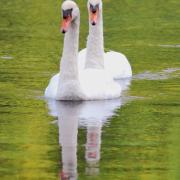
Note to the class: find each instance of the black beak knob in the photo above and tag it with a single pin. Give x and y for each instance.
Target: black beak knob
(94, 10)
(93, 23)
(63, 31)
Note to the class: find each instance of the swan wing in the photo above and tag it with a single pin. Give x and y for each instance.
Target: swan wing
(117, 65)
(51, 90)
(98, 84)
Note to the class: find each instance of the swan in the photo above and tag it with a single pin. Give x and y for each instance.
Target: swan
(72, 83)
(94, 56)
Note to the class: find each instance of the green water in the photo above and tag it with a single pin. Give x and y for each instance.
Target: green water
(140, 141)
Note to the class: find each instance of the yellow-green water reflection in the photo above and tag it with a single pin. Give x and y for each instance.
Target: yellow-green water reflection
(140, 141)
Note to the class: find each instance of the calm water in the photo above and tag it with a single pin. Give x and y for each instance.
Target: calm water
(135, 137)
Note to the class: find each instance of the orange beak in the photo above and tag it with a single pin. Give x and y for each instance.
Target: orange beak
(65, 24)
(94, 17)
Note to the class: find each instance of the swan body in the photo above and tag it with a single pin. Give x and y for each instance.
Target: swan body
(72, 83)
(116, 64)
(93, 85)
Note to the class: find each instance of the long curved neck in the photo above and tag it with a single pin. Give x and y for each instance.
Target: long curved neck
(95, 45)
(69, 62)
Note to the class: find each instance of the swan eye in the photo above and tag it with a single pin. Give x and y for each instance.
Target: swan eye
(91, 6)
(97, 6)
(67, 13)
(94, 8)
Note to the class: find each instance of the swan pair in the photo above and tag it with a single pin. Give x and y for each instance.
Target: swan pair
(89, 74)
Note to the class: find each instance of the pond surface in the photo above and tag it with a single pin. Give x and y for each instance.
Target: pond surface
(134, 137)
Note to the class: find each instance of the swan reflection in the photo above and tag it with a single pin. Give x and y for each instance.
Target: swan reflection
(93, 146)
(91, 115)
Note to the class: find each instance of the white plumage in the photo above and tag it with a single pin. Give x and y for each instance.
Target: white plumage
(75, 84)
(115, 63)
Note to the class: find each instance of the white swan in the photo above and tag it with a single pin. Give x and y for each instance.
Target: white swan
(70, 83)
(94, 56)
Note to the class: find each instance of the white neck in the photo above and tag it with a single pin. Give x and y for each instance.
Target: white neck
(95, 45)
(69, 61)
(69, 85)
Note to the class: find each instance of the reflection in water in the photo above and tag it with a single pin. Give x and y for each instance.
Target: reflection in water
(141, 143)
(68, 130)
(93, 146)
(89, 114)
(6, 57)
(162, 75)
